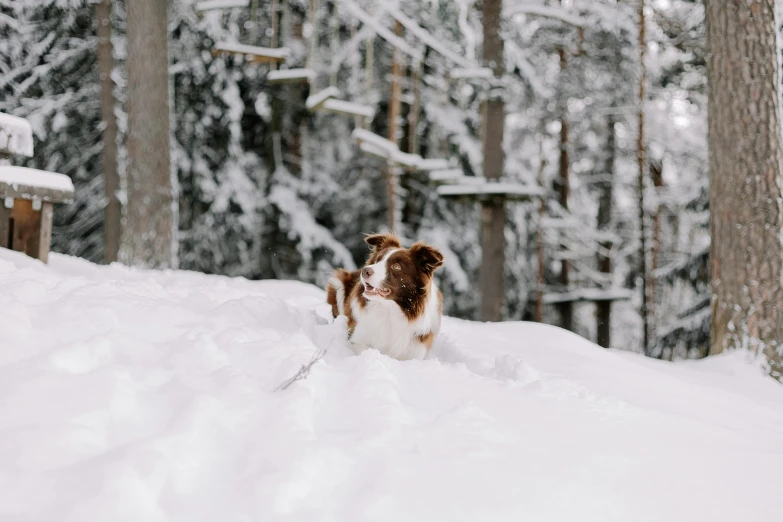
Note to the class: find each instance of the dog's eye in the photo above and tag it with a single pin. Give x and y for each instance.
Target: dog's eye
(396, 266)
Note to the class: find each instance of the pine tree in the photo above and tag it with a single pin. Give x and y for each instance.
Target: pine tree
(746, 180)
(149, 238)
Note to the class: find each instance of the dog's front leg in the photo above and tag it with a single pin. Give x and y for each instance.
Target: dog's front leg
(416, 350)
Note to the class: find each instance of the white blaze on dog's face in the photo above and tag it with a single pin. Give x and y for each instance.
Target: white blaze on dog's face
(397, 274)
(374, 275)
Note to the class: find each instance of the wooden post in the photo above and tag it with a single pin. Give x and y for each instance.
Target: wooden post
(334, 42)
(417, 71)
(603, 312)
(395, 104)
(254, 19)
(5, 228)
(656, 176)
(311, 55)
(25, 232)
(493, 211)
(45, 232)
(641, 159)
(275, 30)
(285, 24)
(538, 314)
(566, 309)
(112, 211)
(369, 64)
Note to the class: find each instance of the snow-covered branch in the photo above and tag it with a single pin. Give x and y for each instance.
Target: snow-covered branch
(556, 13)
(382, 31)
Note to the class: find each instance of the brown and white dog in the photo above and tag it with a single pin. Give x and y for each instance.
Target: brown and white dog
(392, 304)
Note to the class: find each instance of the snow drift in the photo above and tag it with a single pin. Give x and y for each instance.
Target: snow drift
(134, 395)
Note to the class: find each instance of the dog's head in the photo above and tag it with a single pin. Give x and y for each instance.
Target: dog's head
(399, 274)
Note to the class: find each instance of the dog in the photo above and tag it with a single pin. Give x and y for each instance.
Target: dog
(392, 303)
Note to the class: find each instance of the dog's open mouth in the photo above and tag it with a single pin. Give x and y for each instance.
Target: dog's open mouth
(371, 290)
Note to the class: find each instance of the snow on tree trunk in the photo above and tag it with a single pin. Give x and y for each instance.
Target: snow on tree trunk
(746, 183)
(493, 212)
(112, 218)
(148, 239)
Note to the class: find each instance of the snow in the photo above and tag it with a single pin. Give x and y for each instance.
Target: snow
(349, 108)
(501, 188)
(27, 177)
(278, 53)
(381, 143)
(16, 135)
(555, 13)
(135, 395)
(430, 164)
(376, 145)
(303, 226)
(282, 75)
(314, 101)
(357, 12)
(426, 38)
(450, 176)
(560, 223)
(406, 159)
(469, 73)
(211, 5)
(588, 295)
(373, 150)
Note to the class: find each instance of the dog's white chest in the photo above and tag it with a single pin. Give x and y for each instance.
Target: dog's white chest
(383, 326)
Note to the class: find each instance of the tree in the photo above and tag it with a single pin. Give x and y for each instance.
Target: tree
(603, 310)
(112, 219)
(149, 238)
(493, 213)
(641, 159)
(746, 179)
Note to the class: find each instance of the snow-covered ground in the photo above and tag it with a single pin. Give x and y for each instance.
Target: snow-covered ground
(149, 396)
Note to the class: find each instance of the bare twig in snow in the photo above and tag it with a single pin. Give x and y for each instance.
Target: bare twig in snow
(303, 372)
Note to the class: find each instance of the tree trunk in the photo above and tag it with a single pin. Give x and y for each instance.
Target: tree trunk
(149, 238)
(566, 310)
(393, 171)
(275, 32)
(493, 212)
(603, 309)
(641, 159)
(656, 176)
(746, 179)
(112, 211)
(538, 311)
(417, 72)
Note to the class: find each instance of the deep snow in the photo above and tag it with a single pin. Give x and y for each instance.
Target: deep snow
(146, 396)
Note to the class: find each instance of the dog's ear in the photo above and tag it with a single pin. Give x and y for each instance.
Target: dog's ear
(380, 242)
(428, 259)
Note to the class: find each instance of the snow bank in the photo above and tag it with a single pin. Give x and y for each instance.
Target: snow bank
(133, 395)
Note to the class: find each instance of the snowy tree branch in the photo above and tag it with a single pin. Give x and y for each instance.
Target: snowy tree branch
(545, 11)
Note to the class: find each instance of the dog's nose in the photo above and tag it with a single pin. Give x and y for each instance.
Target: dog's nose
(367, 272)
